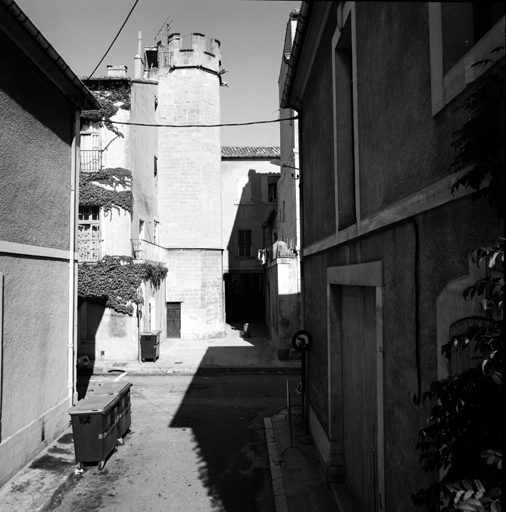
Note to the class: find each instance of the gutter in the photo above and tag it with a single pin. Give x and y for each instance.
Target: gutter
(298, 42)
(74, 198)
(88, 100)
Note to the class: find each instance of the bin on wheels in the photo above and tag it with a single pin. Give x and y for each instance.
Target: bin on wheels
(95, 428)
(121, 390)
(150, 345)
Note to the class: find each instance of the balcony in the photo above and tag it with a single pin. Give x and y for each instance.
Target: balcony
(91, 160)
(89, 250)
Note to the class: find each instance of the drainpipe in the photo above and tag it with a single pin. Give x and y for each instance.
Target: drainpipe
(72, 332)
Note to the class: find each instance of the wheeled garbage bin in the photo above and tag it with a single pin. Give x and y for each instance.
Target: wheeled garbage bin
(95, 428)
(150, 345)
(121, 390)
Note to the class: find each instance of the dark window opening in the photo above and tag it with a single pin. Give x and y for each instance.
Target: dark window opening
(463, 25)
(245, 243)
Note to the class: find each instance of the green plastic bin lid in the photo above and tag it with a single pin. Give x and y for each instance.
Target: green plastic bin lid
(110, 388)
(94, 404)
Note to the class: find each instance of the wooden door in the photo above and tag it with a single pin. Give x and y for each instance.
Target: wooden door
(360, 423)
(173, 319)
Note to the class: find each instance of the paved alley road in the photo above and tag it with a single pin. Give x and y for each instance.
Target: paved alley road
(197, 445)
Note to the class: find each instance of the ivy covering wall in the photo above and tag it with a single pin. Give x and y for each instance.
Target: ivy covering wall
(112, 97)
(115, 280)
(107, 188)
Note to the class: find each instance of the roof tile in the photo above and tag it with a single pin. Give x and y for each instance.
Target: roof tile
(250, 152)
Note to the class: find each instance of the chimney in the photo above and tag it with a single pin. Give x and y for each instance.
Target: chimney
(119, 71)
(174, 42)
(138, 64)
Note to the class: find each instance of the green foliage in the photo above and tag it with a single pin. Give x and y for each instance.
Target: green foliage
(480, 141)
(101, 189)
(464, 431)
(115, 280)
(111, 98)
(465, 427)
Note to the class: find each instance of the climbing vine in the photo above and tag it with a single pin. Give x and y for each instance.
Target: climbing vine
(111, 100)
(114, 281)
(108, 188)
(464, 432)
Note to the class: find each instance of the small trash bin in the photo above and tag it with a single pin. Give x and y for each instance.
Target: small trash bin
(121, 390)
(95, 428)
(150, 345)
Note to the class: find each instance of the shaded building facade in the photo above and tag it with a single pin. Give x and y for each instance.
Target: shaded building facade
(385, 243)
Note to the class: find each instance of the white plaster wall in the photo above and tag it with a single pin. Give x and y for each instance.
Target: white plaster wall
(116, 154)
(115, 228)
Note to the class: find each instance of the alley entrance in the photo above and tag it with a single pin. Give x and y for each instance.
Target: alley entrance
(244, 297)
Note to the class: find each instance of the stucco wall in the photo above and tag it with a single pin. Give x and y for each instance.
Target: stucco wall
(446, 237)
(318, 165)
(35, 338)
(35, 178)
(402, 147)
(34, 156)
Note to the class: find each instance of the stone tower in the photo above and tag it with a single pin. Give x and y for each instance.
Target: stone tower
(189, 182)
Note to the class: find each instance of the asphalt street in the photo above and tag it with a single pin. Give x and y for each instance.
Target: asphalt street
(197, 445)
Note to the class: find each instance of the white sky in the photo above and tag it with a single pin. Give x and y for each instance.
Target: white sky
(251, 34)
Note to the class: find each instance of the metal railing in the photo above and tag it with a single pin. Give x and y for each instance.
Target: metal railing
(91, 160)
(89, 250)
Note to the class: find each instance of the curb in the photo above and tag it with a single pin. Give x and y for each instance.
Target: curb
(188, 370)
(278, 486)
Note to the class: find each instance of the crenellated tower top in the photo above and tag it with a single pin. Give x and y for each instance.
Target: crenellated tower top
(174, 56)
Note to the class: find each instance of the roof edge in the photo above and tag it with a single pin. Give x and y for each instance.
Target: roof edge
(298, 41)
(82, 97)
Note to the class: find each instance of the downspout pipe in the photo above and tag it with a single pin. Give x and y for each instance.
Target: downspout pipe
(72, 305)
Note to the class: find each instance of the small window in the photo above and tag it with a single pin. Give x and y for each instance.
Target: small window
(141, 229)
(155, 166)
(89, 233)
(273, 193)
(269, 189)
(464, 24)
(245, 243)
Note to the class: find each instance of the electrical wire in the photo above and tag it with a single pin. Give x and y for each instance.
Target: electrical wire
(203, 125)
(124, 23)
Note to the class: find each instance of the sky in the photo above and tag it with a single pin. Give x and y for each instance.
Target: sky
(251, 33)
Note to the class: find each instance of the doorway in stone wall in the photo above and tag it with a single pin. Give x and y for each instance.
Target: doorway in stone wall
(173, 319)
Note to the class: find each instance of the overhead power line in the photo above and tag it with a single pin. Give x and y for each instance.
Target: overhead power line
(124, 23)
(204, 125)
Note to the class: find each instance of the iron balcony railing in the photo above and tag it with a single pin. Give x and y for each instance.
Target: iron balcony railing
(91, 160)
(89, 250)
